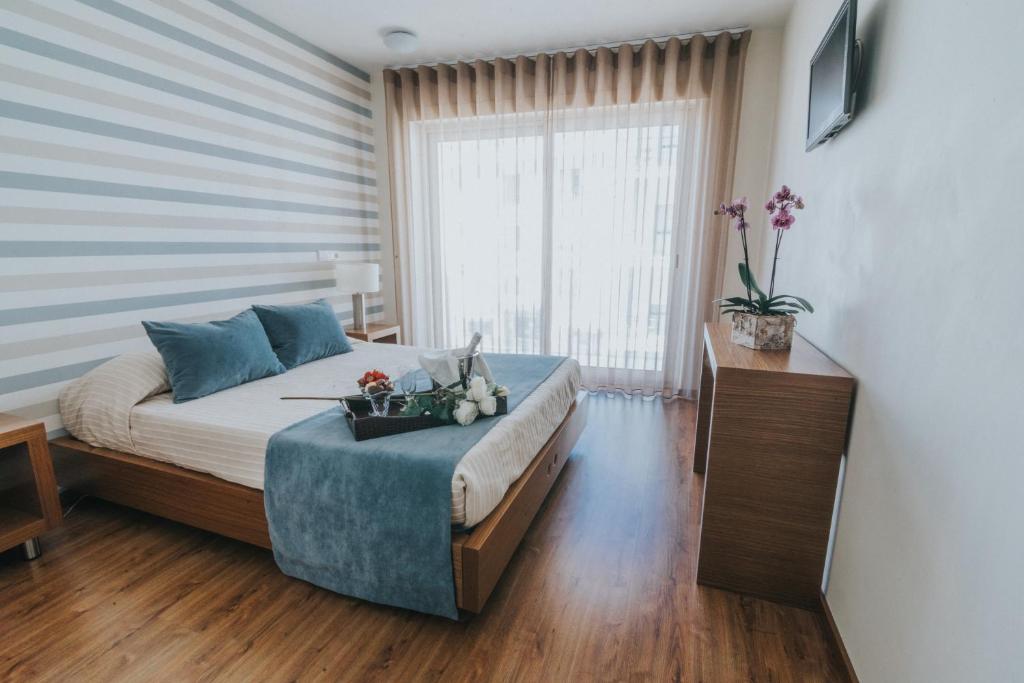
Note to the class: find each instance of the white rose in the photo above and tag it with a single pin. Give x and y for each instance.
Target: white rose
(501, 390)
(477, 389)
(488, 405)
(466, 412)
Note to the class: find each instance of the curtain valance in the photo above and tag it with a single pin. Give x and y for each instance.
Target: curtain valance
(697, 68)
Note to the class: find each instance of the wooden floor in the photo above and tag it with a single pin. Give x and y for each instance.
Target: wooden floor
(602, 588)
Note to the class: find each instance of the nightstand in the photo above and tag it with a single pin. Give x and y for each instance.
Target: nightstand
(382, 333)
(29, 503)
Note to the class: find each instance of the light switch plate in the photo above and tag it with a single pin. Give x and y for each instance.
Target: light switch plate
(328, 255)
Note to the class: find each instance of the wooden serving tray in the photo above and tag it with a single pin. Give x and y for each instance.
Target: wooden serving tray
(366, 426)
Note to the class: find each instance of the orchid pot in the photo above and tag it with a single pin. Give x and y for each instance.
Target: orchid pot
(763, 332)
(761, 321)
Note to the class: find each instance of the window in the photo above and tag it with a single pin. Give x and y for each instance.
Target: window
(557, 238)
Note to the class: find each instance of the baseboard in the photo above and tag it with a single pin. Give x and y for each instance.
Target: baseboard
(837, 640)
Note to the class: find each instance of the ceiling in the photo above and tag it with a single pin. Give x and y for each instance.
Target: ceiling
(462, 29)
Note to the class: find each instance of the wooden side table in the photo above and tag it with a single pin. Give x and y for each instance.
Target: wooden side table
(771, 428)
(382, 333)
(29, 503)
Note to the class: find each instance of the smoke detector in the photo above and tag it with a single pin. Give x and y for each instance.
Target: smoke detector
(401, 41)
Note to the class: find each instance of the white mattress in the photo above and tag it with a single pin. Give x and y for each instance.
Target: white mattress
(225, 434)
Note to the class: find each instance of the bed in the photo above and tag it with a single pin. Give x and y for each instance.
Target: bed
(201, 462)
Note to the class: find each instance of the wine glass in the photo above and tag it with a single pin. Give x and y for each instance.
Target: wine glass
(380, 401)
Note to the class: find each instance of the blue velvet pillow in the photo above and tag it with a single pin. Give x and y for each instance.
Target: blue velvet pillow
(304, 332)
(203, 358)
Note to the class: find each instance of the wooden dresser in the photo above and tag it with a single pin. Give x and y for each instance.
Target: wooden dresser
(771, 430)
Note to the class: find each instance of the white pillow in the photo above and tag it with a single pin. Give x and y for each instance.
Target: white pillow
(97, 406)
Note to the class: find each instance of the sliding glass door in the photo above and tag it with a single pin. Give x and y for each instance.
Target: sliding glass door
(488, 195)
(557, 235)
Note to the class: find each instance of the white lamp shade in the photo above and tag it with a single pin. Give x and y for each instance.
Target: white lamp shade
(357, 278)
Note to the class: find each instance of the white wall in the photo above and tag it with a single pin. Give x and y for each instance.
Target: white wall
(754, 145)
(911, 248)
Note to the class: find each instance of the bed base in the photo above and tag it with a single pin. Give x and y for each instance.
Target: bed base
(204, 501)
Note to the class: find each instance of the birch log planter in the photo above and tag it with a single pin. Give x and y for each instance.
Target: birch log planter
(763, 332)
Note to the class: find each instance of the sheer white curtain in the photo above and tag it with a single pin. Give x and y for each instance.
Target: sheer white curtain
(569, 217)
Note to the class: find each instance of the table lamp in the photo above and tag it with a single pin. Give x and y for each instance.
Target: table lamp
(357, 279)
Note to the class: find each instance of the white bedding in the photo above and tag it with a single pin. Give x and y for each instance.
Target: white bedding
(225, 434)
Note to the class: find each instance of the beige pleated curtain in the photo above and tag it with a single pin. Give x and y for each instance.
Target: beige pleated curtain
(703, 69)
(700, 67)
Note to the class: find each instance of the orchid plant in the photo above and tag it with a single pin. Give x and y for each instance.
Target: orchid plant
(780, 212)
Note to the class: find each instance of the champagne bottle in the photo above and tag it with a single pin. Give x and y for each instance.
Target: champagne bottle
(473, 343)
(466, 362)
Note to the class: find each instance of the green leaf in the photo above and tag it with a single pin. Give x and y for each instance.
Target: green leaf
(762, 302)
(732, 308)
(803, 302)
(792, 304)
(748, 280)
(736, 300)
(784, 305)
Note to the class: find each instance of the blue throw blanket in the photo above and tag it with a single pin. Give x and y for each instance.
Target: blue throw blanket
(372, 519)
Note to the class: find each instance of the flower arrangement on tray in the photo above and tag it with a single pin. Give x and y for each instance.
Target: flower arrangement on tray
(763, 321)
(455, 403)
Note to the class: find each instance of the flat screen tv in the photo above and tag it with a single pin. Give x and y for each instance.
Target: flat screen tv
(833, 75)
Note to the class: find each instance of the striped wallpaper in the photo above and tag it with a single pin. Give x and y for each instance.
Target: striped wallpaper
(165, 160)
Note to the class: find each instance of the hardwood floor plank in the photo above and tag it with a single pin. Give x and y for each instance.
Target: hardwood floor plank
(601, 588)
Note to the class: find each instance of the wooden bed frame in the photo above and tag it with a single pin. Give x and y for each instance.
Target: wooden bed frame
(204, 501)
